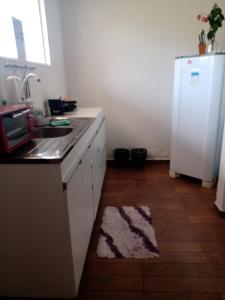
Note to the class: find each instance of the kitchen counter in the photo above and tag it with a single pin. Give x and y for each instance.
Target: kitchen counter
(54, 150)
(47, 214)
(86, 112)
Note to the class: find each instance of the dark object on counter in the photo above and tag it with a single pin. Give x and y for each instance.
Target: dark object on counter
(138, 156)
(69, 105)
(58, 107)
(121, 156)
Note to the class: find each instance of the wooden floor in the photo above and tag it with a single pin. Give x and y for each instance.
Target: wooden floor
(190, 234)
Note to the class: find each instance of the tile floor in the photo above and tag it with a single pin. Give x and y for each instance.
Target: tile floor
(190, 234)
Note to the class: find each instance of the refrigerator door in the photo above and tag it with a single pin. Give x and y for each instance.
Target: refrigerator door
(197, 107)
(220, 193)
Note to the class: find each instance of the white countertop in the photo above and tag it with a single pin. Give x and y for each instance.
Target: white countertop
(86, 112)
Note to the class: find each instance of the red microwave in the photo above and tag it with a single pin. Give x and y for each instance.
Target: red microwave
(15, 128)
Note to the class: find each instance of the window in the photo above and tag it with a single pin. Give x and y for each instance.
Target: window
(23, 30)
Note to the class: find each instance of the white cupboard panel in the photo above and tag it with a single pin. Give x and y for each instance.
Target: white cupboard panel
(80, 210)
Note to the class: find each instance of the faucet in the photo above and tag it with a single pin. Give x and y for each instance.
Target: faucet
(25, 82)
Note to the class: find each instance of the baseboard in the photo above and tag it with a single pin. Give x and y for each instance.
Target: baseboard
(148, 161)
(159, 158)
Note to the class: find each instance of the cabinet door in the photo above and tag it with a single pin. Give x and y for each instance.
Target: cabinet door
(98, 165)
(98, 158)
(80, 211)
(88, 186)
(102, 165)
(96, 196)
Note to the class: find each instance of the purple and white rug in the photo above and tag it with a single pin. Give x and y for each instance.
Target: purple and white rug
(127, 231)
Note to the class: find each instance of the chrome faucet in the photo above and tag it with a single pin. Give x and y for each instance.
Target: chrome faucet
(25, 81)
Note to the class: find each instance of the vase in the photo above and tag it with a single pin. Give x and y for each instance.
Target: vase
(213, 47)
(202, 48)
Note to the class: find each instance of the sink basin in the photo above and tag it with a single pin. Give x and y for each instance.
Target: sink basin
(52, 143)
(52, 132)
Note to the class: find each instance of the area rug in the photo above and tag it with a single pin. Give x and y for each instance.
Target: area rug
(127, 231)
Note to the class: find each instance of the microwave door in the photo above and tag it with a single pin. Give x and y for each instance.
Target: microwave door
(16, 128)
(16, 133)
(18, 140)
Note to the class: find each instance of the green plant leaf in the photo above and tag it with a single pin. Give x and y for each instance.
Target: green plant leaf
(215, 19)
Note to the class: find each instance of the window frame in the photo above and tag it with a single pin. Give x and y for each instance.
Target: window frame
(45, 40)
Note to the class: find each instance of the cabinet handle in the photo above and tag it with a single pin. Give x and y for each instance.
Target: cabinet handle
(19, 114)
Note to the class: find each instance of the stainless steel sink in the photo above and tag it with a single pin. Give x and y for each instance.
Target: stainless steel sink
(53, 143)
(52, 132)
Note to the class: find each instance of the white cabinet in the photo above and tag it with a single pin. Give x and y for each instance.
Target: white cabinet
(78, 192)
(83, 192)
(46, 219)
(98, 165)
(76, 204)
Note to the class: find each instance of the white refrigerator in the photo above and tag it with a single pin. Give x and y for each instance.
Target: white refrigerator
(198, 117)
(220, 193)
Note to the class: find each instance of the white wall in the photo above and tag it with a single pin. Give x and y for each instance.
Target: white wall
(119, 54)
(52, 77)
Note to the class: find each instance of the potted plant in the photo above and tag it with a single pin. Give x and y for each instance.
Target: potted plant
(215, 19)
